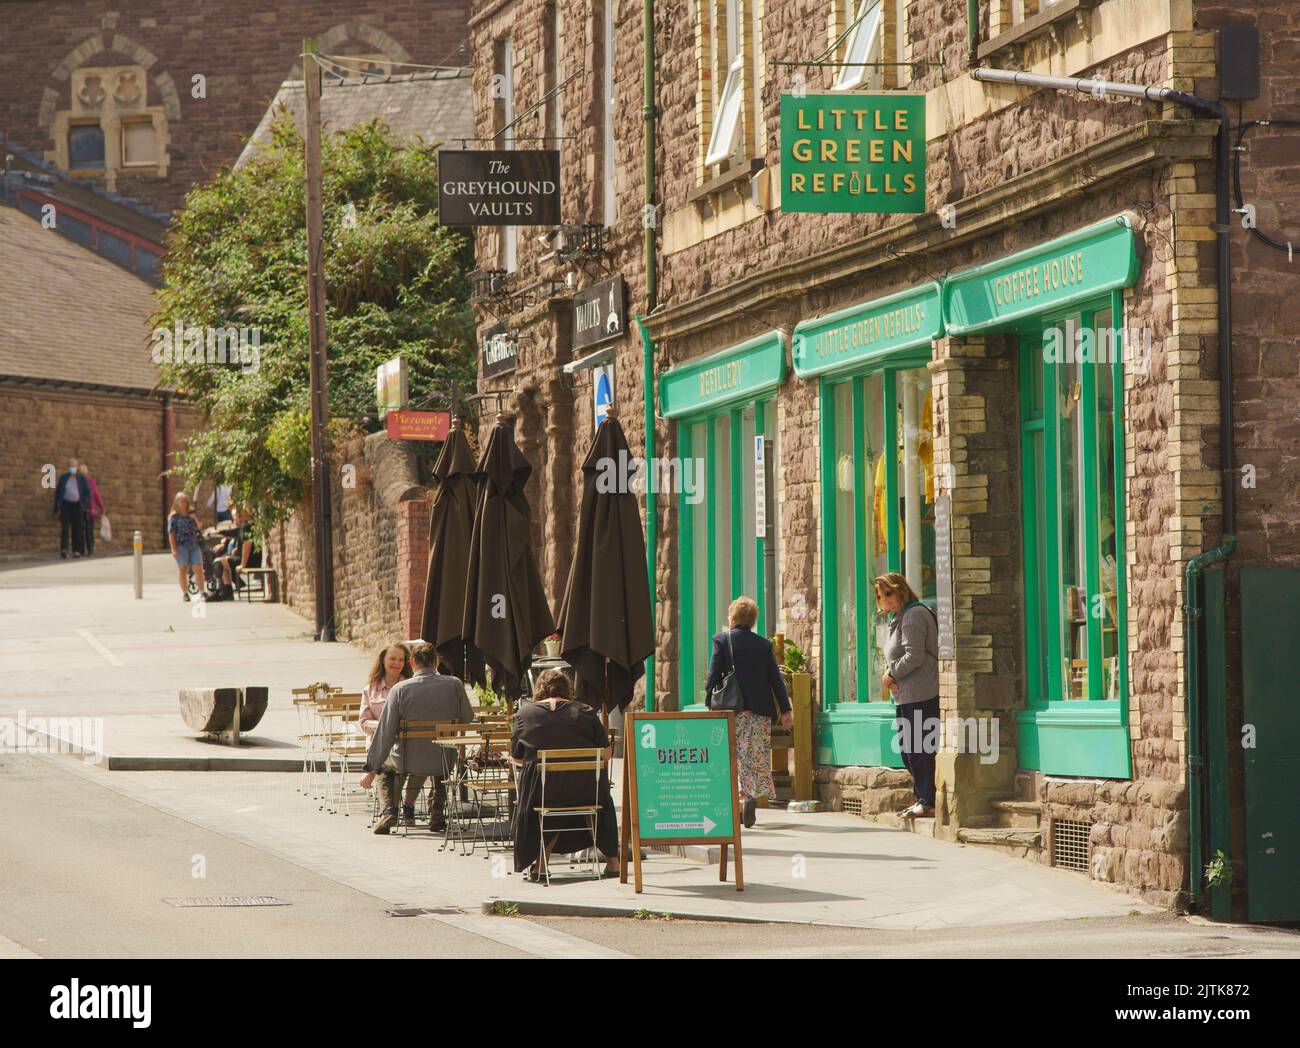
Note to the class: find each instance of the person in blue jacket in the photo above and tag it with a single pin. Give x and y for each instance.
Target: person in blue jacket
(71, 504)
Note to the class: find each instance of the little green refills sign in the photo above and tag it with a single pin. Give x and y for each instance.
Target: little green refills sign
(853, 154)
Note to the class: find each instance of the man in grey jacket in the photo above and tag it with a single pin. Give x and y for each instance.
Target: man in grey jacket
(425, 696)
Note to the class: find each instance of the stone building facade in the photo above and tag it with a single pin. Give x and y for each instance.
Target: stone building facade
(153, 96)
(1074, 496)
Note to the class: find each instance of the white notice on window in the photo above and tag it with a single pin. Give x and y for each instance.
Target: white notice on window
(760, 489)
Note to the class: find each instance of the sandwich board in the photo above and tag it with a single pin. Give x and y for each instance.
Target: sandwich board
(679, 786)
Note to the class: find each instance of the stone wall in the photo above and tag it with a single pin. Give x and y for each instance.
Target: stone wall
(245, 49)
(119, 437)
(381, 545)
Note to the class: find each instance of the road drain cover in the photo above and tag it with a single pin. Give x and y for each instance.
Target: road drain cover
(229, 900)
(428, 911)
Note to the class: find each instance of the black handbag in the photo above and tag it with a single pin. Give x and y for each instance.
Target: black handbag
(727, 696)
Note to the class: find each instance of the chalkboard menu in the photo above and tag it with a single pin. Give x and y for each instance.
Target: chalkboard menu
(943, 574)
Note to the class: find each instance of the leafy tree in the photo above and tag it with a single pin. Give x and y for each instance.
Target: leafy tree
(396, 283)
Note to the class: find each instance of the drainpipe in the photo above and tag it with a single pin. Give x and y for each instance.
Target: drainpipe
(972, 29)
(168, 457)
(1192, 609)
(647, 345)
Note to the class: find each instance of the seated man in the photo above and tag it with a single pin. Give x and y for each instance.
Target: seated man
(425, 696)
(241, 552)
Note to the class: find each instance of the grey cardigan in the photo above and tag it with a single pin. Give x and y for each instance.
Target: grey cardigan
(912, 654)
(426, 696)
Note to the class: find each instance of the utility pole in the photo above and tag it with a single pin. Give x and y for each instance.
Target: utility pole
(322, 510)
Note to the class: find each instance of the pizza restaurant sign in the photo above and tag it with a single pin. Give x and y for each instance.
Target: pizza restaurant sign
(853, 154)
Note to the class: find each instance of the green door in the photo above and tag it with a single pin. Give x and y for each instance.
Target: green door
(1270, 628)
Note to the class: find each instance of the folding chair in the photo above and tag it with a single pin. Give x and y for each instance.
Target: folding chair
(305, 701)
(458, 819)
(407, 731)
(332, 714)
(569, 762)
(490, 783)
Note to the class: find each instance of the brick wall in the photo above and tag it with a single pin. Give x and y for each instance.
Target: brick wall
(120, 438)
(245, 49)
(381, 545)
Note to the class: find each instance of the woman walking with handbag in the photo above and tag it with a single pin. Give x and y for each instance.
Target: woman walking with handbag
(912, 675)
(743, 679)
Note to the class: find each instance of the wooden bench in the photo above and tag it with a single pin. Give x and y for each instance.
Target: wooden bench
(262, 576)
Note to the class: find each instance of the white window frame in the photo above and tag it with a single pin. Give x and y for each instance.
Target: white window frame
(727, 119)
(510, 234)
(865, 44)
(557, 73)
(609, 190)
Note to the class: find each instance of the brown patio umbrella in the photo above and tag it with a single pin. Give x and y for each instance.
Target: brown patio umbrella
(451, 525)
(505, 614)
(605, 628)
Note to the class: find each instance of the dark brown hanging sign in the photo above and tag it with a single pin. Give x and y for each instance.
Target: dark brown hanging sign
(599, 313)
(500, 351)
(499, 187)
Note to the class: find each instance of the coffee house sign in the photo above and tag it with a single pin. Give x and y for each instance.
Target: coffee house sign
(599, 313)
(499, 187)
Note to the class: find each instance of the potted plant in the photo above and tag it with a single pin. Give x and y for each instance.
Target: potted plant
(552, 644)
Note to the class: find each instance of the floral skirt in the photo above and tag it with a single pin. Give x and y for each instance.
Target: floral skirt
(754, 754)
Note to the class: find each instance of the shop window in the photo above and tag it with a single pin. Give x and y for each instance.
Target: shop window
(722, 555)
(880, 517)
(1072, 473)
(85, 147)
(139, 144)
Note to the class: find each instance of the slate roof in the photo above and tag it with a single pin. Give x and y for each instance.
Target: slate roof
(440, 109)
(68, 314)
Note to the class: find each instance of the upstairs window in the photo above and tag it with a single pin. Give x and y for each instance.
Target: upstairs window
(85, 147)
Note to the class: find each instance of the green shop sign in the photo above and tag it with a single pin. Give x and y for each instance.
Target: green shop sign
(685, 777)
(865, 333)
(853, 154)
(743, 372)
(1060, 273)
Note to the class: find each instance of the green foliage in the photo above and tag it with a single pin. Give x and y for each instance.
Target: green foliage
(501, 908)
(396, 283)
(1218, 872)
(794, 657)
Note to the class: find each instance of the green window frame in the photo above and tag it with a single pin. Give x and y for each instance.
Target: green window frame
(725, 436)
(1076, 716)
(858, 731)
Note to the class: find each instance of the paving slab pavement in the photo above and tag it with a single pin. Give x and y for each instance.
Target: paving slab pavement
(76, 643)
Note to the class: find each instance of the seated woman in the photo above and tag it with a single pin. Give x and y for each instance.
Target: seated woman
(554, 720)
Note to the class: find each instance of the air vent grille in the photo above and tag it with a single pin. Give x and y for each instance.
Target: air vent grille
(1070, 844)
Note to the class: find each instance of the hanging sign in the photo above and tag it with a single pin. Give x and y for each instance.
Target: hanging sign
(599, 313)
(679, 785)
(760, 488)
(499, 187)
(500, 351)
(418, 425)
(390, 385)
(853, 154)
(602, 384)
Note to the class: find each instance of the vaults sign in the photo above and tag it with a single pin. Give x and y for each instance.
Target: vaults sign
(499, 187)
(853, 154)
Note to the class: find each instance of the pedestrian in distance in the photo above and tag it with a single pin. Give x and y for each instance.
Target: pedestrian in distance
(183, 535)
(426, 696)
(912, 677)
(95, 510)
(241, 552)
(739, 650)
(71, 503)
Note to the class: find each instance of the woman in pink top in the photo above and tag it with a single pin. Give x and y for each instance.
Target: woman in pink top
(93, 512)
(391, 665)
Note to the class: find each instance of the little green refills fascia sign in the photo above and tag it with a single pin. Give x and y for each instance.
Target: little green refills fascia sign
(853, 154)
(860, 335)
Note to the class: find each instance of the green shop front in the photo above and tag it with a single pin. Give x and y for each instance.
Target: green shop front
(878, 496)
(724, 408)
(1062, 302)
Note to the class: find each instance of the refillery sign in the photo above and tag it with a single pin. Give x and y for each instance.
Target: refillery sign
(853, 154)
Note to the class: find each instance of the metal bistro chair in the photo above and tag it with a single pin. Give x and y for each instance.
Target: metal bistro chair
(569, 762)
(459, 814)
(490, 784)
(305, 701)
(332, 713)
(407, 731)
(349, 749)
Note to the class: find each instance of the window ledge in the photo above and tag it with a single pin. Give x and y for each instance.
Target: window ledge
(1052, 19)
(740, 173)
